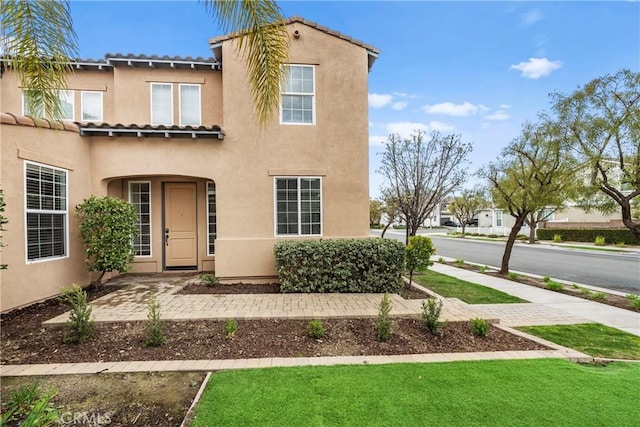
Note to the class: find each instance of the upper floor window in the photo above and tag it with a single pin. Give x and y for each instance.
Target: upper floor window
(91, 106)
(190, 105)
(46, 211)
(66, 105)
(161, 104)
(298, 95)
(298, 206)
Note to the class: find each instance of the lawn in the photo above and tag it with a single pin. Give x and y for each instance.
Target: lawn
(471, 293)
(543, 392)
(593, 339)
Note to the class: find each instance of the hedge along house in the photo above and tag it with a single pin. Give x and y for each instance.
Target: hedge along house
(178, 138)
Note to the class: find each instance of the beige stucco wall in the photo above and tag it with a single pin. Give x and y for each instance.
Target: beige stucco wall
(24, 282)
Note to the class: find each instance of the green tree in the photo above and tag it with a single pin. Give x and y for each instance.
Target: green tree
(467, 205)
(418, 254)
(602, 125)
(107, 226)
(420, 172)
(39, 38)
(375, 211)
(532, 172)
(3, 221)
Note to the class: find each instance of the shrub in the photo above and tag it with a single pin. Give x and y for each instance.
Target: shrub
(635, 300)
(599, 296)
(30, 406)
(492, 236)
(459, 262)
(209, 280)
(431, 309)
(80, 326)
(315, 329)
(230, 328)
(383, 322)
(340, 265)
(556, 238)
(522, 237)
(600, 241)
(584, 291)
(479, 327)
(483, 269)
(107, 226)
(418, 254)
(441, 260)
(513, 276)
(554, 286)
(155, 333)
(546, 279)
(612, 235)
(621, 244)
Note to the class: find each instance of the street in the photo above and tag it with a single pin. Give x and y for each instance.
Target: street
(611, 270)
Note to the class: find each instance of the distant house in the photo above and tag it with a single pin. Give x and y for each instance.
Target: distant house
(177, 137)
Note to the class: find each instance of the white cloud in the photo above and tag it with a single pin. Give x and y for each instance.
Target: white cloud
(441, 127)
(505, 106)
(377, 100)
(451, 109)
(400, 105)
(530, 17)
(498, 116)
(377, 139)
(535, 68)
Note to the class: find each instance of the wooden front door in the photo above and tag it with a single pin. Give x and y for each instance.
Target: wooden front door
(180, 225)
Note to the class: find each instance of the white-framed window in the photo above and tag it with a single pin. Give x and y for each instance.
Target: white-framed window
(46, 212)
(547, 214)
(91, 106)
(498, 218)
(190, 105)
(161, 104)
(298, 95)
(140, 198)
(212, 231)
(298, 206)
(66, 105)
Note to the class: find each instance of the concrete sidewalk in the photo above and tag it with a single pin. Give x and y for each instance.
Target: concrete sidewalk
(547, 307)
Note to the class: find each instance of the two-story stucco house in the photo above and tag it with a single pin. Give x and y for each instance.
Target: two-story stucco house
(178, 138)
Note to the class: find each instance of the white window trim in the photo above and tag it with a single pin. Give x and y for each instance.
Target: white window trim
(495, 218)
(208, 241)
(150, 218)
(199, 102)
(153, 121)
(65, 213)
(313, 98)
(82, 105)
(275, 208)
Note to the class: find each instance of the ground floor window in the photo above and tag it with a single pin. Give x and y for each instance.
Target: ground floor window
(211, 218)
(140, 198)
(498, 216)
(46, 211)
(298, 206)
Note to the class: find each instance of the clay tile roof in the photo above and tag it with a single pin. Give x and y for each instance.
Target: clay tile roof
(134, 130)
(18, 120)
(300, 19)
(143, 57)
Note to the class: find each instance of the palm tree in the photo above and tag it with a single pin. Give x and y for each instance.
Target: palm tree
(39, 43)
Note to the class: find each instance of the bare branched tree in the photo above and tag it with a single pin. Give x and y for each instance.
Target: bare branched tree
(421, 171)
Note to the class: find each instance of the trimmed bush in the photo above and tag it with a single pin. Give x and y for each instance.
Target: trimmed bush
(613, 235)
(340, 265)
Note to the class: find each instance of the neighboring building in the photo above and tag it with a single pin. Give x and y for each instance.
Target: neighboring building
(178, 138)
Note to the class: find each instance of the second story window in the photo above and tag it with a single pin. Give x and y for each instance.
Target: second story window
(161, 104)
(91, 106)
(298, 95)
(66, 105)
(189, 105)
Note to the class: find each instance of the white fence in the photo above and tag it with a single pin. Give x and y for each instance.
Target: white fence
(500, 231)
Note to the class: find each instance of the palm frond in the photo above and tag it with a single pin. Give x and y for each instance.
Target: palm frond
(39, 41)
(263, 40)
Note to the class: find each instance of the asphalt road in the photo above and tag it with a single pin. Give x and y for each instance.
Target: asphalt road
(610, 270)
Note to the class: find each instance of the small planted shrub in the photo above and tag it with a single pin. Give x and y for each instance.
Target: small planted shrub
(30, 406)
(230, 328)
(155, 333)
(513, 276)
(431, 310)
(599, 296)
(635, 300)
(600, 241)
(589, 234)
(459, 262)
(479, 327)
(584, 291)
(546, 279)
(554, 286)
(492, 236)
(522, 237)
(209, 280)
(315, 329)
(418, 254)
(557, 238)
(483, 269)
(383, 322)
(441, 260)
(340, 265)
(80, 326)
(620, 244)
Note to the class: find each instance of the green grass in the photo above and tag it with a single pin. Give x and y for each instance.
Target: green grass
(593, 339)
(471, 293)
(543, 392)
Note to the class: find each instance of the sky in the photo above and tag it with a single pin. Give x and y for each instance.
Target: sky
(478, 69)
